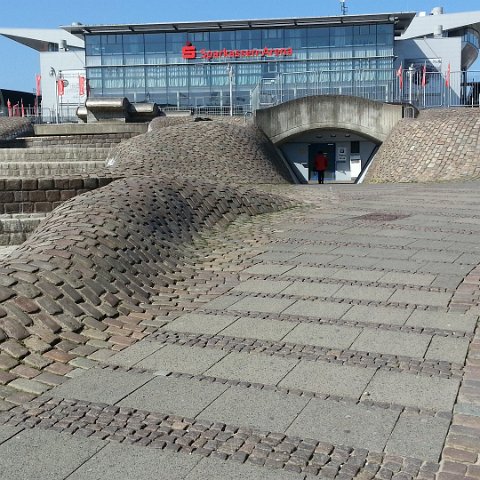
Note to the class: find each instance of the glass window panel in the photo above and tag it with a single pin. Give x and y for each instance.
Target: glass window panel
(92, 45)
(113, 78)
(177, 75)
(154, 42)
(133, 43)
(341, 36)
(134, 77)
(93, 61)
(318, 37)
(112, 44)
(112, 59)
(156, 77)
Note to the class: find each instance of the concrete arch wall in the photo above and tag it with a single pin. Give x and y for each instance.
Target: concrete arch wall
(374, 120)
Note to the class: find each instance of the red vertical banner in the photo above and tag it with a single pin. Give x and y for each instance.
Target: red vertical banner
(22, 107)
(447, 76)
(81, 85)
(60, 88)
(424, 75)
(400, 75)
(9, 107)
(38, 80)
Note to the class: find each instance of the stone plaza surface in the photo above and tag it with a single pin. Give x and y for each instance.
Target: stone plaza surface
(337, 339)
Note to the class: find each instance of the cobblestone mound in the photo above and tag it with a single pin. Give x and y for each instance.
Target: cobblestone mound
(438, 145)
(99, 256)
(13, 127)
(218, 151)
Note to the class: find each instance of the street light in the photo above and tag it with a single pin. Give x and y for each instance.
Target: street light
(230, 81)
(53, 73)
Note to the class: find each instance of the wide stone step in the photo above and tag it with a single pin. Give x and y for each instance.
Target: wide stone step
(59, 154)
(36, 169)
(15, 229)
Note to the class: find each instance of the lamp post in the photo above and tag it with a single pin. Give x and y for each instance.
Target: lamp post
(53, 73)
(411, 70)
(230, 81)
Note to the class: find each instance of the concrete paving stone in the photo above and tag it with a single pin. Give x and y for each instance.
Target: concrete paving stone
(329, 336)
(221, 303)
(127, 462)
(312, 272)
(40, 454)
(375, 252)
(433, 256)
(258, 328)
(134, 354)
(261, 409)
(468, 259)
(398, 265)
(262, 305)
(282, 256)
(448, 349)
(413, 390)
(182, 359)
(399, 278)
(7, 432)
(101, 386)
(430, 244)
(329, 378)
(311, 289)
(174, 396)
(344, 424)
(447, 281)
(317, 309)
(360, 262)
(392, 343)
(377, 315)
(444, 268)
(418, 437)
(315, 248)
(212, 469)
(262, 286)
(357, 275)
(252, 367)
(355, 292)
(268, 269)
(417, 297)
(445, 321)
(200, 323)
(316, 258)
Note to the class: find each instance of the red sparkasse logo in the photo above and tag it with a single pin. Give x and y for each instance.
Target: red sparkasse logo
(189, 52)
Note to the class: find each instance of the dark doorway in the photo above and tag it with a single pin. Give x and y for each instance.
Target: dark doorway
(329, 150)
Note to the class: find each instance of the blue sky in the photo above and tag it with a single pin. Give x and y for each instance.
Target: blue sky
(19, 64)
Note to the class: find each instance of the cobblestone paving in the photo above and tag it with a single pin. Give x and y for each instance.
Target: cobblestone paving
(335, 340)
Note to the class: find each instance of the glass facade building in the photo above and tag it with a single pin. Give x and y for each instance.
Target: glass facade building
(225, 65)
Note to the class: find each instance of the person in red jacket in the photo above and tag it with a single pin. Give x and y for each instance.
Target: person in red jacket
(321, 163)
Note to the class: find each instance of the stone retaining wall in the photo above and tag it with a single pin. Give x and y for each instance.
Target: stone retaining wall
(439, 145)
(11, 127)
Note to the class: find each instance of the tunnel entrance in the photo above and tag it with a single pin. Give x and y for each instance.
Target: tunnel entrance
(348, 153)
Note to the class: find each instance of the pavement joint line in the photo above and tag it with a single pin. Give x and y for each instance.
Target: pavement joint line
(208, 438)
(409, 365)
(340, 322)
(98, 452)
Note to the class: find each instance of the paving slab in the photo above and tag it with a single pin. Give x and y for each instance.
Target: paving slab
(444, 321)
(413, 390)
(311, 272)
(127, 462)
(182, 359)
(268, 269)
(261, 304)
(417, 297)
(101, 385)
(445, 268)
(448, 349)
(7, 432)
(374, 294)
(392, 343)
(329, 378)
(401, 278)
(174, 396)
(311, 289)
(317, 309)
(212, 469)
(358, 275)
(134, 354)
(418, 437)
(259, 328)
(377, 315)
(200, 323)
(252, 367)
(360, 262)
(281, 256)
(266, 410)
(40, 454)
(345, 424)
(221, 303)
(262, 286)
(329, 336)
(432, 256)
